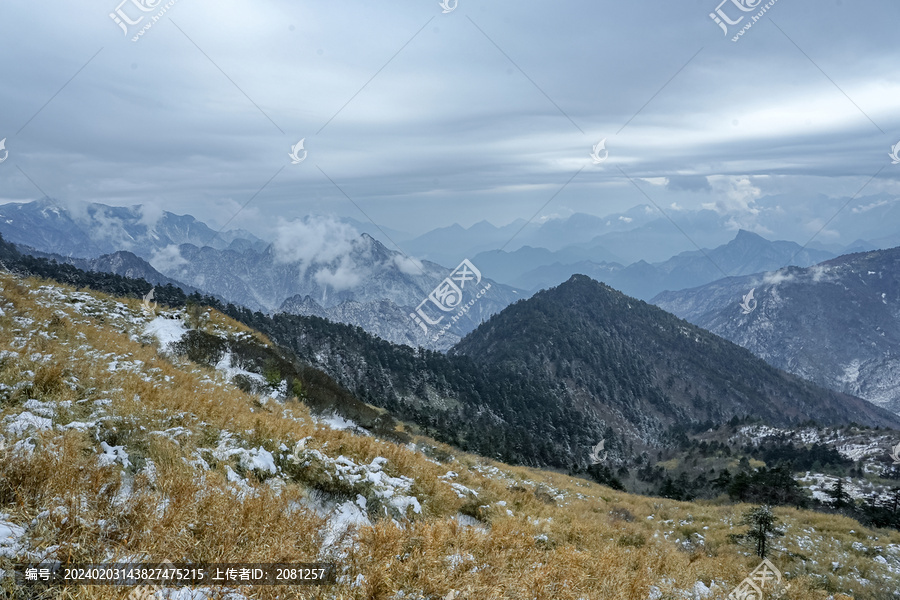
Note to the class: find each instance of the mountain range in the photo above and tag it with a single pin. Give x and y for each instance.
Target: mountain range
(548, 377)
(836, 323)
(747, 253)
(339, 269)
(539, 384)
(316, 266)
(123, 262)
(91, 230)
(644, 232)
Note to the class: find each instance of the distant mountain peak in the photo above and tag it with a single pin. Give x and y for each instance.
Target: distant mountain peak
(583, 281)
(743, 235)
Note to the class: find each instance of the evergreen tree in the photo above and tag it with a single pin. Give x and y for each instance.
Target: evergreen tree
(839, 496)
(761, 521)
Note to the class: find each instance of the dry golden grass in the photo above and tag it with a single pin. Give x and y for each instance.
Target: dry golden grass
(564, 539)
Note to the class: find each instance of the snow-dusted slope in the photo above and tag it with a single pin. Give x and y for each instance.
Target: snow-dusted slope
(114, 447)
(836, 324)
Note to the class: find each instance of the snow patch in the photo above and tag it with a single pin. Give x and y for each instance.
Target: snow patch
(462, 491)
(19, 424)
(259, 460)
(113, 454)
(455, 560)
(336, 421)
(345, 519)
(43, 409)
(166, 331)
(851, 372)
(9, 538)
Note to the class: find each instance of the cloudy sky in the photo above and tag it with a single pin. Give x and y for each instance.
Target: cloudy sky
(417, 118)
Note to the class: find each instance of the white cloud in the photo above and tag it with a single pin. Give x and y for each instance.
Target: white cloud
(868, 207)
(104, 227)
(314, 239)
(735, 194)
(777, 277)
(736, 198)
(345, 276)
(151, 213)
(818, 273)
(325, 245)
(408, 265)
(168, 259)
(818, 226)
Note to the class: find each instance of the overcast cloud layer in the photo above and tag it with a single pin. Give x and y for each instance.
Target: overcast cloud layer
(417, 119)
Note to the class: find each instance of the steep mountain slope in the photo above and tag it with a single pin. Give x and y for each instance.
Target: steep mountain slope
(91, 230)
(548, 377)
(116, 446)
(384, 319)
(634, 365)
(423, 386)
(836, 323)
(122, 263)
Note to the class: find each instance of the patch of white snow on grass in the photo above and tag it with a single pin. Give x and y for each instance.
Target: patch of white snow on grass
(259, 460)
(167, 331)
(113, 454)
(344, 520)
(337, 422)
(9, 538)
(462, 491)
(24, 421)
(43, 409)
(227, 367)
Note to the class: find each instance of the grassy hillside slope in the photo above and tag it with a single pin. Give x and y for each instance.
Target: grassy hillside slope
(116, 447)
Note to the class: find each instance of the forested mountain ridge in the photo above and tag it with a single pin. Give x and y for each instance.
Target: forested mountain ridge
(625, 353)
(544, 381)
(550, 376)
